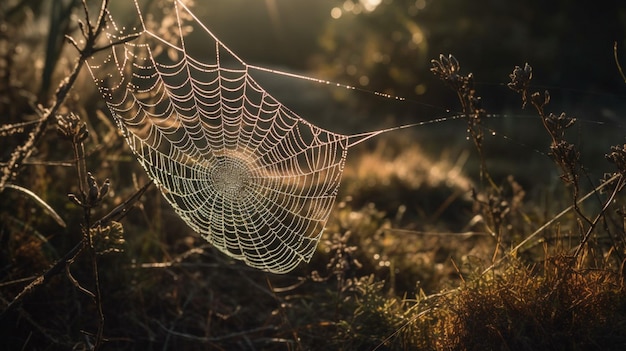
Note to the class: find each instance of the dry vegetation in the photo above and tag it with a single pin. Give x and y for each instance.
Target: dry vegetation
(481, 264)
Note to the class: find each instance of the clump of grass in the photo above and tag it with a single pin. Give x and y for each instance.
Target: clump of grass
(552, 307)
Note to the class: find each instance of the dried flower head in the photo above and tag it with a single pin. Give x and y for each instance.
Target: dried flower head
(448, 70)
(94, 194)
(617, 156)
(557, 124)
(72, 128)
(109, 238)
(520, 80)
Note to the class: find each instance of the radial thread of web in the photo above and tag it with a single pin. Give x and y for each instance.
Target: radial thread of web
(249, 175)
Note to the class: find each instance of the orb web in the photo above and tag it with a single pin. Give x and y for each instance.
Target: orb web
(249, 175)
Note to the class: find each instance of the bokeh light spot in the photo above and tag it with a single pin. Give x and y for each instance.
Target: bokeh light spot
(364, 80)
(335, 13)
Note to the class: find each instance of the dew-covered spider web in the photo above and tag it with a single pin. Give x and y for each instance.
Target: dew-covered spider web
(248, 174)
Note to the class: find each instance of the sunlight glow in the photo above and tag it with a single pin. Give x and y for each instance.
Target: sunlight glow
(272, 11)
(370, 5)
(418, 37)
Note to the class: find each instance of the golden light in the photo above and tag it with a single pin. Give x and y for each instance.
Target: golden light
(370, 5)
(335, 13)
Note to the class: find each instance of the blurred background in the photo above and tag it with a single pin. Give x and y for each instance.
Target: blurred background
(383, 46)
(387, 45)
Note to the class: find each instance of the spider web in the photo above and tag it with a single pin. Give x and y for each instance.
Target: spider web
(249, 175)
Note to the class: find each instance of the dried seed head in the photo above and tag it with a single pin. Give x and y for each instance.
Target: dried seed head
(92, 193)
(104, 189)
(520, 78)
(618, 158)
(71, 127)
(447, 69)
(557, 124)
(109, 238)
(540, 101)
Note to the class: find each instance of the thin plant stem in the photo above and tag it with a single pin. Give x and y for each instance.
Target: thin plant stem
(607, 203)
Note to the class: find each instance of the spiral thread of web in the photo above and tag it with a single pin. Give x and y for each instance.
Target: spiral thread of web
(252, 177)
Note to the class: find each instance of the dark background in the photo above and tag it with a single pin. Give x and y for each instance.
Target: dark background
(569, 44)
